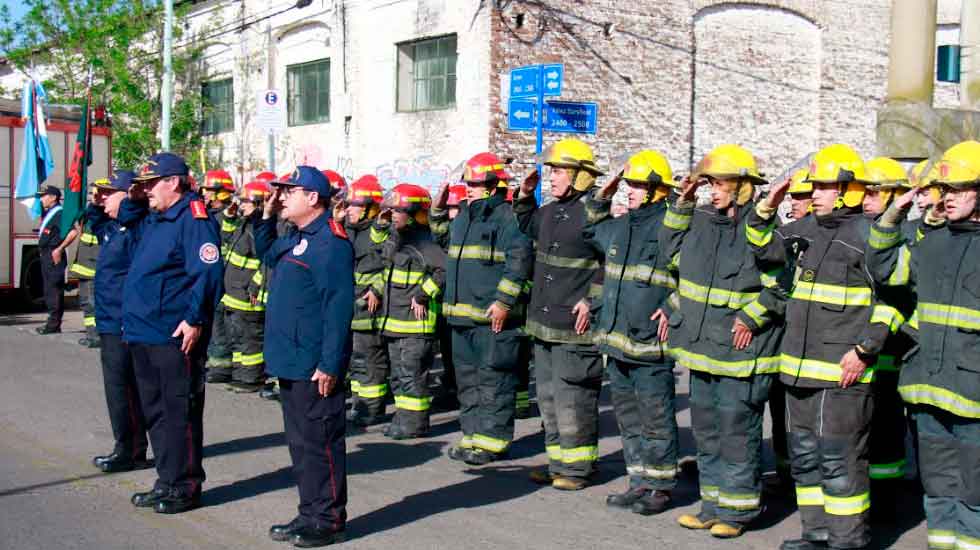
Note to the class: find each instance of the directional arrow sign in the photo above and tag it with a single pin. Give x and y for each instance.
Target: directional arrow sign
(524, 81)
(554, 74)
(572, 117)
(521, 115)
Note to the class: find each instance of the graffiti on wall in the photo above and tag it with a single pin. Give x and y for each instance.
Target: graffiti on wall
(423, 170)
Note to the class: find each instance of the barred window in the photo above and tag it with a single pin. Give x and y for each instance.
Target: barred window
(218, 99)
(309, 92)
(427, 74)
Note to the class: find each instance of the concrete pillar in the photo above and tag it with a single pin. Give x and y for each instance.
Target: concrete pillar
(912, 51)
(970, 55)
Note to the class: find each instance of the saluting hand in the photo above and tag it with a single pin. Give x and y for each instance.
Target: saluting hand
(325, 382)
(530, 183)
(189, 334)
(905, 201)
(581, 313)
(777, 193)
(497, 315)
(611, 186)
(663, 328)
(689, 187)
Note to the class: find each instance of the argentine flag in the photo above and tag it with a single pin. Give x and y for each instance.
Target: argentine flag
(36, 161)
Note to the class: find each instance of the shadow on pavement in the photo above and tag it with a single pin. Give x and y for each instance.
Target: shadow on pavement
(47, 484)
(247, 488)
(488, 486)
(245, 444)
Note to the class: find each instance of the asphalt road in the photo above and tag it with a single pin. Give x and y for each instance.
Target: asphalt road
(402, 494)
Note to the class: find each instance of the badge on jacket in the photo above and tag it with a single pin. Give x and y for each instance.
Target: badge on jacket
(209, 253)
(198, 210)
(300, 248)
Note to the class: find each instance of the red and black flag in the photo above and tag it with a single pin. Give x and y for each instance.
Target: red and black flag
(77, 176)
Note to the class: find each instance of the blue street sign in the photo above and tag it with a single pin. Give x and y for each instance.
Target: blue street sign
(571, 117)
(521, 114)
(553, 74)
(524, 81)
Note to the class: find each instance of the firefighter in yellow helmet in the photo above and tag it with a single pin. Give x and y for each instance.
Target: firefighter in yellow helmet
(724, 332)
(800, 195)
(886, 180)
(568, 367)
(836, 326)
(637, 284)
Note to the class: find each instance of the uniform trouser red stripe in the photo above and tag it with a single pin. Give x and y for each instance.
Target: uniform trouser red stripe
(315, 433)
(122, 398)
(171, 389)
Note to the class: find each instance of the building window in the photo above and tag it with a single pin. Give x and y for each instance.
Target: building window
(309, 92)
(219, 107)
(427, 74)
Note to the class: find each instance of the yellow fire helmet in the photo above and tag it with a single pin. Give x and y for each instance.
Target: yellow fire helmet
(838, 163)
(886, 176)
(798, 184)
(960, 166)
(731, 162)
(650, 168)
(577, 155)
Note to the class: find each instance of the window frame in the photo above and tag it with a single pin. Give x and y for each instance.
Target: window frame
(413, 79)
(292, 99)
(206, 129)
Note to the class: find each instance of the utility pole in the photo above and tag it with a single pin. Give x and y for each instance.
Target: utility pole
(270, 84)
(168, 73)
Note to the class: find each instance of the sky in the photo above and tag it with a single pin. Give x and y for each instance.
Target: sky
(17, 8)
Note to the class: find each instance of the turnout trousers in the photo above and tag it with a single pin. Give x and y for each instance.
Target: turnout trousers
(949, 463)
(122, 398)
(568, 379)
(726, 416)
(246, 332)
(523, 395)
(369, 373)
(315, 433)
(486, 382)
(643, 398)
(829, 447)
(171, 388)
(86, 299)
(411, 360)
(219, 350)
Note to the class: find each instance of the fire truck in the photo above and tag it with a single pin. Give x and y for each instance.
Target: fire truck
(20, 267)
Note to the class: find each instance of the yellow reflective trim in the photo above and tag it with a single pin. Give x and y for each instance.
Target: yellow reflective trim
(89, 239)
(736, 369)
(900, 275)
(548, 334)
(965, 542)
(809, 496)
(948, 316)
(417, 404)
(475, 252)
(914, 320)
(509, 287)
(523, 399)
(832, 294)
(759, 237)
(228, 227)
(425, 326)
(230, 301)
(263, 297)
(465, 311)
(925, 394)
(817, 370)
(378, 236)
(372, 392)
(893, 470)
(367, 279)
(355, 386)
(714, 296)
(430, 287)
(941, 539)
(846, 506)
(88, 321)
(401, 277)
(745, 501)
(243, 262)
(770, 279)
(588, 453)
(628, 346)
(883, 240)
(667, 471)
(640, 273)
(257, 277)
(756, 312)
(567, 263)
(491, 444)
(366, 323)
(249, 360)
(554, 452)
(709, 493)
(679, 222)
(889, 316)
(466, 442)
(82, 270)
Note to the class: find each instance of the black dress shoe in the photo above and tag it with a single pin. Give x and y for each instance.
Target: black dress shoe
(149, 498)
(269, 393)
(47, 330)
(175, 504)
(802, 544)
(312, 537)
(626, 499)
(118, 462)
(282, 533)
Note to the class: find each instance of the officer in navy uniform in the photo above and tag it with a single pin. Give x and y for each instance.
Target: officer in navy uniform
(117, 231)
(308, 346)
(169, 297)
(53, 260)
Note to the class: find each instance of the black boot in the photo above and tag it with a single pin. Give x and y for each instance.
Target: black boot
(282, 533)
(628, 498)
(802, 544)
(312, 537)
(652, 504)
(149, 499)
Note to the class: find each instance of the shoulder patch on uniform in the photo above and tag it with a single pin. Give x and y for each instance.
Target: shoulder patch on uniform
(209, 253)
(338, 229)
(198, 210)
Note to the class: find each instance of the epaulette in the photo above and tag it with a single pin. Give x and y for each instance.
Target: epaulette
(338, 229)
(198, 210)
